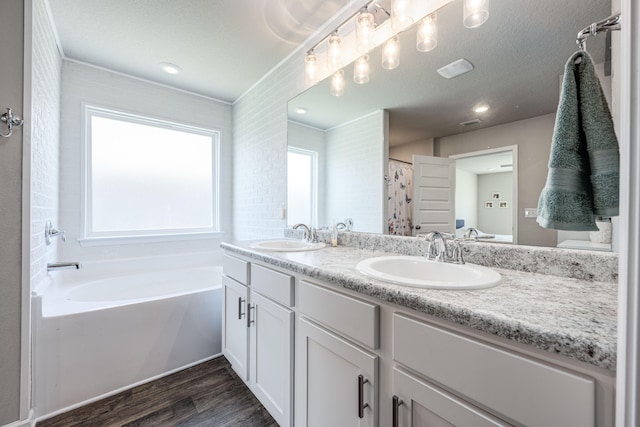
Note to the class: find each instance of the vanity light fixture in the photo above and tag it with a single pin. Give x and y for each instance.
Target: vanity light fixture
(361, 70)
(427, 36)
(482, 108)
(337, 83)
(401, 14)
(170, 68)
(391, 53)
(475, 13)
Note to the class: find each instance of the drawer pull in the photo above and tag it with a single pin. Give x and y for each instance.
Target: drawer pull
(394, 411)
(249, 321)
(361, 404)
(240, 313)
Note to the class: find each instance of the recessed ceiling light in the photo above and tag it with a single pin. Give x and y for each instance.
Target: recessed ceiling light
(301, 110)
(170, 68)
(455, 69)
(481, 108)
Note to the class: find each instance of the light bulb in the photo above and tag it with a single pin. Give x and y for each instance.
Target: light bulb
(391, 53)
(334, 53)
(311, 69)
(475, 13)
(365, 27)
(337, 83)
(427, 38)
(401, 14)
(361, 70)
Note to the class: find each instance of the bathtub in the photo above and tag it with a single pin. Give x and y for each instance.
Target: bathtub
(97, 333)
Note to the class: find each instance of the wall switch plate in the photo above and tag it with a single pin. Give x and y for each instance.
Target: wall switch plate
(530, 212)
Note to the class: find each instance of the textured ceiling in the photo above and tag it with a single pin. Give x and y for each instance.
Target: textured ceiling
(222, 46)
(518, 54)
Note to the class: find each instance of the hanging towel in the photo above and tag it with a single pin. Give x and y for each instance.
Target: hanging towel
(583, 173)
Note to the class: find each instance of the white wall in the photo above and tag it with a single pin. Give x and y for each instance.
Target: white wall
(82, 83)
(45, 139)
(355, 153)
(310, 138)
(467, 198)
(495, 220)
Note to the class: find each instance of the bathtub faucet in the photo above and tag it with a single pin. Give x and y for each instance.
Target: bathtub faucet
(63, 266)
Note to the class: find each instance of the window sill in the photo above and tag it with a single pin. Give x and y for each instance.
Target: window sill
(156, 238)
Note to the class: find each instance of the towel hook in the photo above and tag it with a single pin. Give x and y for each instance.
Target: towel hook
(10, 120)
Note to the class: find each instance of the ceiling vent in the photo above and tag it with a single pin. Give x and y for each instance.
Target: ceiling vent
(455, 69)
(471, 122)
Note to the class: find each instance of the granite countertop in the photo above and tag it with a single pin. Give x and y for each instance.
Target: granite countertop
(571, 317)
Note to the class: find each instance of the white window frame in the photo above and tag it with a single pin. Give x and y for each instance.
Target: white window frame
(314, 181)
(90, 237)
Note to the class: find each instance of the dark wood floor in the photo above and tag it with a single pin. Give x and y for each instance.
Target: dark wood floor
(209, 394)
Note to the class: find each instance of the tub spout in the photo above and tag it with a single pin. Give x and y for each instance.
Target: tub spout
(63, 266)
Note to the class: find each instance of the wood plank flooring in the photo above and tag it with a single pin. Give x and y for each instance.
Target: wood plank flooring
(208, 394)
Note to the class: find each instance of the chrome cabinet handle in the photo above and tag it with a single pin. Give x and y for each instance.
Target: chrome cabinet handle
(361, 404)
(249, 321)
(394, 411)
(240, 313)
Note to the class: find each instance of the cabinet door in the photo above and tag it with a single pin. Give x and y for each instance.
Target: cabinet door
(336, 381)
(234, 328)
(271, 356)
(417, 403)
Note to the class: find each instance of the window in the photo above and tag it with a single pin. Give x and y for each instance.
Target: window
(302, 186)
(147, 177)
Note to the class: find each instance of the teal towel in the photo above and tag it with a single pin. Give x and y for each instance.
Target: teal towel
(583, 173)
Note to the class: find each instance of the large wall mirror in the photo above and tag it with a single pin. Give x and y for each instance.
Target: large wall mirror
(365, 142)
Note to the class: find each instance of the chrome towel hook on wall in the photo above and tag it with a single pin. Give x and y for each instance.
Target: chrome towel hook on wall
(10, 120)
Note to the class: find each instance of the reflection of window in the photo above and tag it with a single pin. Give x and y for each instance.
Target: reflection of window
(302, 186)
(148, 177)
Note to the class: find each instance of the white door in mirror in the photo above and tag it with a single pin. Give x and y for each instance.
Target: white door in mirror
(419, 272)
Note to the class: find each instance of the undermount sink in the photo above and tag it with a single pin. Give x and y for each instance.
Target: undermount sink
(287, 245)
(422, 273)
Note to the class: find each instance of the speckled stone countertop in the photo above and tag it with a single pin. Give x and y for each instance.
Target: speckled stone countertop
(567, 316)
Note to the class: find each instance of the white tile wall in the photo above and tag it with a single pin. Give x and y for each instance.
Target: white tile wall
(260, 145)
(83, 83)
(356, 155)
(45, 130)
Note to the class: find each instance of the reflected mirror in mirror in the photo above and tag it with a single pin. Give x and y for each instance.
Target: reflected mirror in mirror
(518, 57)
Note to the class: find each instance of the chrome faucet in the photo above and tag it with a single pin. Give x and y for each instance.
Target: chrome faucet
(50, 232)
(63, 266)
(310, 233)
(443, 247)
(470, 232)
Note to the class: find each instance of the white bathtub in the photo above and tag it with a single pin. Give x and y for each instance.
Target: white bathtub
(95, 337)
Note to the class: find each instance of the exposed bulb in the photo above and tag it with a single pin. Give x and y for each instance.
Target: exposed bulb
(427, 38)
(401, 14)
(391, 53)
(361, 70)
(334, 53)
(311, 69)
(337, 83)
(365, 28)
(475, 13)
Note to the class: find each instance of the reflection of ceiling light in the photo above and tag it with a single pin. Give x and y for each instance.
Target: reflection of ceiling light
(301, 110)
(483, 108)
(170, 68)
(455, 69)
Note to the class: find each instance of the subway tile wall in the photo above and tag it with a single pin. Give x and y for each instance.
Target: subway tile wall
(45, 131)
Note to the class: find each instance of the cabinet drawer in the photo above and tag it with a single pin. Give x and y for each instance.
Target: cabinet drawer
(273, 284)
(351, 317)
(235, 268)
(522, 389)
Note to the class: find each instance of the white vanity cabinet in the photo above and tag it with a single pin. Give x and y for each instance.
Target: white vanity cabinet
(336, 378)
(258, 333)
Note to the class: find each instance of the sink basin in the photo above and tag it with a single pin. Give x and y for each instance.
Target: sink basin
(287, 245)
(418, 272)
